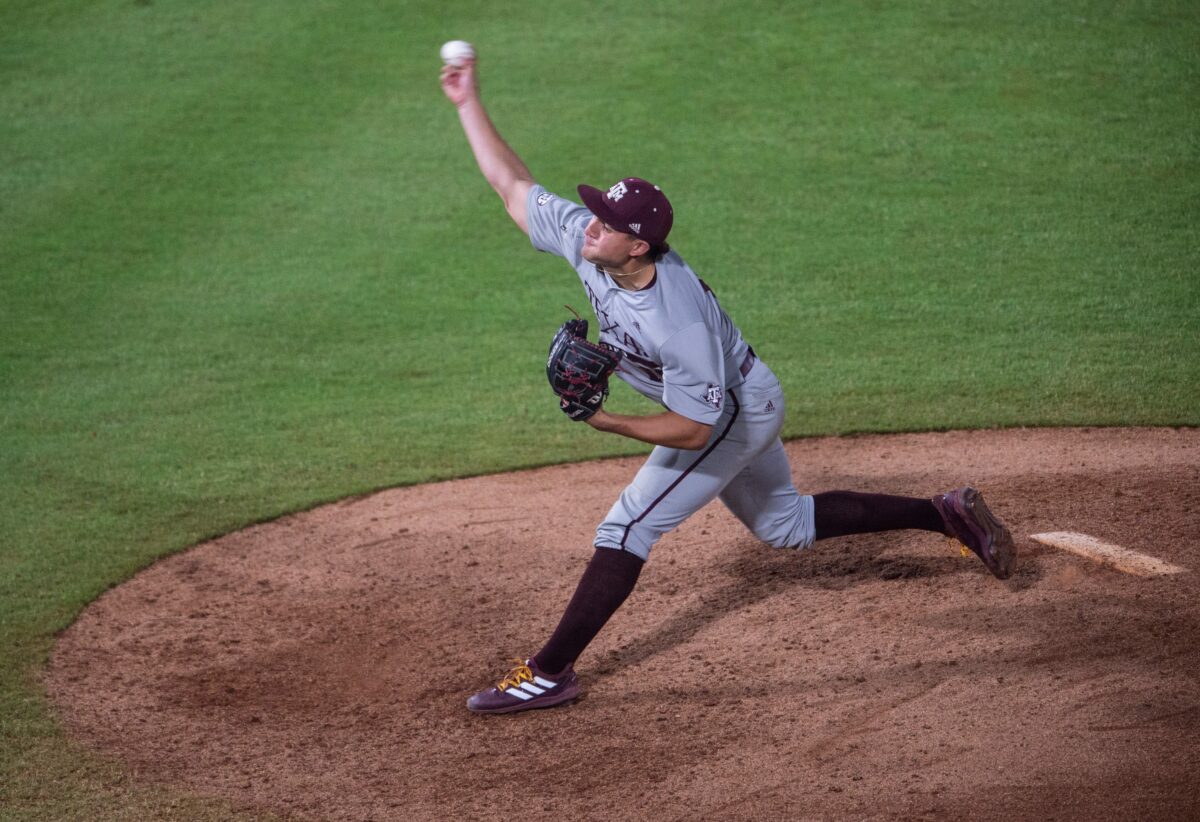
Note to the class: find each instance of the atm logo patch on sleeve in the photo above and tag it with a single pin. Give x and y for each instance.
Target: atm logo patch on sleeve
(713, 396)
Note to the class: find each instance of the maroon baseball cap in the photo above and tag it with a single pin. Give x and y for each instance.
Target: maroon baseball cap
(633, 206)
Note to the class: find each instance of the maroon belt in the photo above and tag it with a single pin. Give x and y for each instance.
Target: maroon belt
(748, 362)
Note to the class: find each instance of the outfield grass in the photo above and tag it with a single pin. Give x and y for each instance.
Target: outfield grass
(247, 264)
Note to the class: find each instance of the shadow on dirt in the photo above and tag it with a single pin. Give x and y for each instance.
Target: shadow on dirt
(755, 573)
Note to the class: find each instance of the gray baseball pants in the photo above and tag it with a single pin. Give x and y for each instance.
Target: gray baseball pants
(743, 464)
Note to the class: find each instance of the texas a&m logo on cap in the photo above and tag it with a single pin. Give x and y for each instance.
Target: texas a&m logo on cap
(634, 206)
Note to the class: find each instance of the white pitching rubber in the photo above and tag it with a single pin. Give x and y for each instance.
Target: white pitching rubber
(1114, 556)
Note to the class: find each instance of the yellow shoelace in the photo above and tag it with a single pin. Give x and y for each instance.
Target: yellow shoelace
(962, 549)
(516, 676)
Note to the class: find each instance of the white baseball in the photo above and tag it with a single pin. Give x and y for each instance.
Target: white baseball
(457, 52)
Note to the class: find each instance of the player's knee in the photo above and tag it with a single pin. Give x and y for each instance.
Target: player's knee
(797, 530)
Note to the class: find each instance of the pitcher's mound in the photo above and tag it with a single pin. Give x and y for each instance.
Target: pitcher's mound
(318, 665)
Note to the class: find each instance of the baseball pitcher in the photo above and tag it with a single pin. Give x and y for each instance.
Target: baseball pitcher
(663, 331)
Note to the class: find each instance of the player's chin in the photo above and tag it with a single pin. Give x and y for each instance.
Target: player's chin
(588, 252)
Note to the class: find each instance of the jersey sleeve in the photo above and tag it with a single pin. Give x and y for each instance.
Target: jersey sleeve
(556, 225)
(694, 374)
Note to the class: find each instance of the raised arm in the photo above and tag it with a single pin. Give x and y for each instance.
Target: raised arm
(501, 166)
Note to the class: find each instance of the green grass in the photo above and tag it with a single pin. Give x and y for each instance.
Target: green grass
(247, 264)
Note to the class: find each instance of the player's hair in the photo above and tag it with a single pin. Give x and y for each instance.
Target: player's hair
(657, 251)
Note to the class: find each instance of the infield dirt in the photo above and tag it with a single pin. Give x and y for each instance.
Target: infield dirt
(317, 666)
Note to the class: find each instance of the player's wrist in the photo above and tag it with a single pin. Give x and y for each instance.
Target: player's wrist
(601, 420)
(468, 99)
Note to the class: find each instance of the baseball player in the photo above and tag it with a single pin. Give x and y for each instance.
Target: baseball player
(717, 435)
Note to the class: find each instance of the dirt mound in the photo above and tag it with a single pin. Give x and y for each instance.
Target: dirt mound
(318, 665)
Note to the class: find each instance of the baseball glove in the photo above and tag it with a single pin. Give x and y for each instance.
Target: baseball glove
(578, 370)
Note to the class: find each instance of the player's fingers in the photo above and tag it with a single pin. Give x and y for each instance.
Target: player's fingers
(465, 67)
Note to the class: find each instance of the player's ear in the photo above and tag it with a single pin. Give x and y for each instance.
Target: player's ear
(639, 247)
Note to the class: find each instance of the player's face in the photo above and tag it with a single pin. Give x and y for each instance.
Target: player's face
(605, 245)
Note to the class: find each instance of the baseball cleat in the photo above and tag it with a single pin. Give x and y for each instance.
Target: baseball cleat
(970, 522)
(524, 688)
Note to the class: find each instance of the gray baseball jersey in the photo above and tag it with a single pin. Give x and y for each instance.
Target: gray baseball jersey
(683, 351)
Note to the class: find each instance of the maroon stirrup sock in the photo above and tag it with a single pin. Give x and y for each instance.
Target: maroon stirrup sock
(838, 513)
(607, 581)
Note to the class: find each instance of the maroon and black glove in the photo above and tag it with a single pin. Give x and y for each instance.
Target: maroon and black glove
(578, 370)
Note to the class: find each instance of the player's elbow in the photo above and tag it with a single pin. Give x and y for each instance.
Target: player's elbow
(696, 437)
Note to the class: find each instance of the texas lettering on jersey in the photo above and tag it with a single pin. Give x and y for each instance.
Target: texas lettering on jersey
(612, 333)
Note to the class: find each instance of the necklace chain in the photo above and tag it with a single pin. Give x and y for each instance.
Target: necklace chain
(630, 274)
